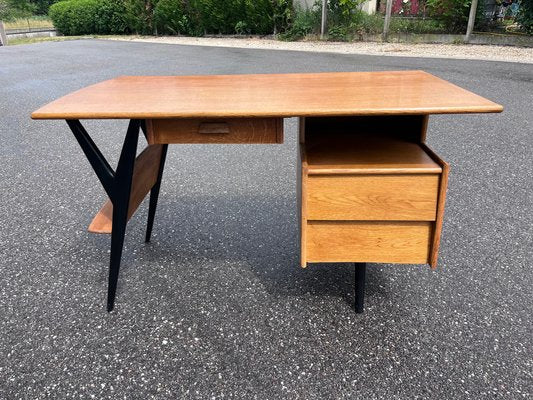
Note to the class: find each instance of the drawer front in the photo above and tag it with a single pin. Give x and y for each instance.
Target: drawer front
(223, 131)
(379, 242)
(402, 197)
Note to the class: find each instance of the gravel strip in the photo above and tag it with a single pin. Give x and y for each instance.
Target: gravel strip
(469, 52)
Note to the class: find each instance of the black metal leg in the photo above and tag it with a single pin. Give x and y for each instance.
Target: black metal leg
(360, 276)
(117, 184)
(121, 201)
(154, 194)
(102, 169)
(120, 218)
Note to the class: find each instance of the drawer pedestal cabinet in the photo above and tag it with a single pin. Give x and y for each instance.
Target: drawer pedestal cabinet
(371, 192)
(370, 188)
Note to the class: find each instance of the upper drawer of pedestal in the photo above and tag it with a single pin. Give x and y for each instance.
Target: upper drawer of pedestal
(370, 178)
(397, 197)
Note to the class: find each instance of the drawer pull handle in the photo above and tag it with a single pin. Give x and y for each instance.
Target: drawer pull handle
(213, 127)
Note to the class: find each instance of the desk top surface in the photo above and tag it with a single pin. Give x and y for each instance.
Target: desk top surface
(275, 95)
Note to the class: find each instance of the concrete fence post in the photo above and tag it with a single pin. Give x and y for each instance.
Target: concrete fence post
(386, 24)
(471, 21)
(324, 21)
(3, 36)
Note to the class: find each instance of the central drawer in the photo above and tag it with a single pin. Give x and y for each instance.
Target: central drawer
(222, 131)
(397, 197)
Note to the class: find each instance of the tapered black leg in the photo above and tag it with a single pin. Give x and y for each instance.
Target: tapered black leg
(120, 219)
(121, 200)
(103, 170)
(118, 185)
(360, 276)
(154, 194)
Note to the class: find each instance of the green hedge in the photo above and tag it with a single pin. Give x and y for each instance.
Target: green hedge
(170, 17)
(189, 17)
(525, 16)
(196, 17)
(79, 17)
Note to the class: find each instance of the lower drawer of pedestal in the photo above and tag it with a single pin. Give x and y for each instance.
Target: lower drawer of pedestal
(406, 242)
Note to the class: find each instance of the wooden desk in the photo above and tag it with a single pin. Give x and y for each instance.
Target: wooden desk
(370, 189)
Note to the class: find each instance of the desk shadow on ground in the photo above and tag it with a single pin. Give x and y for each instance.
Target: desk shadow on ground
(227, 238)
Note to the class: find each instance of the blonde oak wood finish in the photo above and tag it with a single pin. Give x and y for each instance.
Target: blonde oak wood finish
(359, 154)
(301, 130)
(424, 129)
(221, 131)
(268, 95)
(366, 174)
(385, 114)
(369, 241)
(440, 205)
(144, 177)
(405, 197)
(302, 178)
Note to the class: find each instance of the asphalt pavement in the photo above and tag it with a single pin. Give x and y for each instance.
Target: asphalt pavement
(217, 306)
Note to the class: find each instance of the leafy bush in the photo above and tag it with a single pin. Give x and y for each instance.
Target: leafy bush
(371, 24)
(283, 14)
(78, 17)
(346, 21)
(139, 15)
(219, 17)
(237, 16)
(7, 13)
(304, 22)
(525, 16)
(197, 17)
(110, 17)
(170, 17)
(341, 17)
(452, 13)
(42, 6)
(343, 12)
(13, 9)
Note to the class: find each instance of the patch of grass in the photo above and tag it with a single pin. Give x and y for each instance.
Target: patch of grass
(37, 21)
(18, 41)
(413, 25)
(14, 42)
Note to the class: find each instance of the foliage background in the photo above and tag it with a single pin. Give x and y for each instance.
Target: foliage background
(261, 17)
(525, 16)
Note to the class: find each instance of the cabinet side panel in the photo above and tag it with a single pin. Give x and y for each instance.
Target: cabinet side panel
(301, 129)
(424, 128)
(441, 203)
(302, 203)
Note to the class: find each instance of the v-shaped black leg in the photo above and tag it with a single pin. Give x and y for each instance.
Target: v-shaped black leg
(121, 201)
(118, 187)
